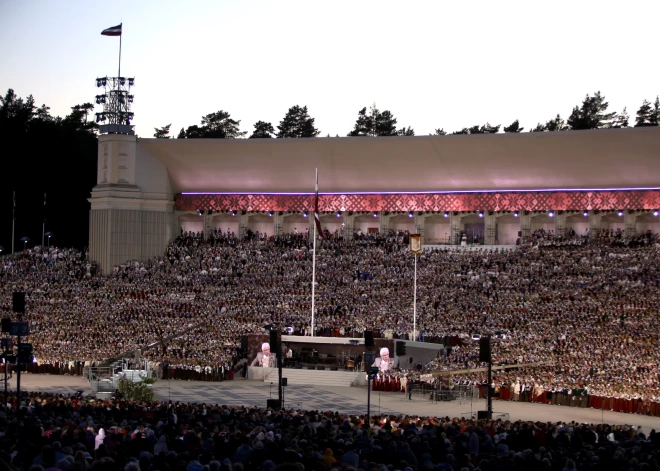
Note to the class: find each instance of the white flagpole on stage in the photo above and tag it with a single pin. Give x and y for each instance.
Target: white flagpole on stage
(314, 253)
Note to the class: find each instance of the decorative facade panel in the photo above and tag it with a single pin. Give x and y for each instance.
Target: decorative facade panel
(518, 201)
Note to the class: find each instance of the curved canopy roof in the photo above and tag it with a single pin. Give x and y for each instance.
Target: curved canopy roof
(596, 159)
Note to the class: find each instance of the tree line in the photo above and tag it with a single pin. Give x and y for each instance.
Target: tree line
(593, 113)
(49, 165)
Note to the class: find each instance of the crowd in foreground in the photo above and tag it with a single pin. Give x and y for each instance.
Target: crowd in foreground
(40, 431)
(582, 312)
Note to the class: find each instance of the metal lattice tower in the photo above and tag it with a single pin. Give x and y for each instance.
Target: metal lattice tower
(116, 100)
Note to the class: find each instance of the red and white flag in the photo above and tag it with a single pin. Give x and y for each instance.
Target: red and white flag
(113, 31)
(319, 231)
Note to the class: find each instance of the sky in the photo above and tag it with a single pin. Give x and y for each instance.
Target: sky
(433, 64)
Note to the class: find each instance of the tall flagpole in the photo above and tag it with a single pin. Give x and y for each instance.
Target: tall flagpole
(43, 225)
(13, 223)
(415, 305)
(120, 35)
(314, 257)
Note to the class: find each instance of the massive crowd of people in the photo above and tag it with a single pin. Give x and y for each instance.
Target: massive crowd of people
(40, 431)
(581, 311)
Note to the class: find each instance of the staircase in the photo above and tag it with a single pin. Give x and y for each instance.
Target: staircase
(314, 377)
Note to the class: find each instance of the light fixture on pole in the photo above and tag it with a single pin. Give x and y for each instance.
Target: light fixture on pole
(49, 235)
(416, 249)
(25, 240)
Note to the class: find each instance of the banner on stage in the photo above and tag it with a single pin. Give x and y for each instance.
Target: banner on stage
(416, 243)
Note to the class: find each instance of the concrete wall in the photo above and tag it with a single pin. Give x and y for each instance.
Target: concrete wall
(132, 205)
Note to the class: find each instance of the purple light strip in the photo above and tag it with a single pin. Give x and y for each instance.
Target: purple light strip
(438, 192)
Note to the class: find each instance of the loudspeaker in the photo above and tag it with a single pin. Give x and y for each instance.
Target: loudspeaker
(285, 382)
(5, 324)
(244, 343)
(273, 404)
(484, 349)
(275, 342)
(519, 233)
(369, 338)
(483, 414)
(401, 349)
(18, 302)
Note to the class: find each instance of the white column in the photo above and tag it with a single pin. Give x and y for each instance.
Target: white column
(208, 223)
(594, 223)
(384, 222)
(489, 228)
(456, 226)
(630, 220)
(560, 223)
(525, 223)
(278, 223)
(242, 225)
(349, 221)
(419, 225)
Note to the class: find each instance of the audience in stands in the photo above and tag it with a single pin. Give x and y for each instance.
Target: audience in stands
(578, 314)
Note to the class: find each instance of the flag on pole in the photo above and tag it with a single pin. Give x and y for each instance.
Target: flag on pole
(416, 243)
(112, 31)
(317, 220)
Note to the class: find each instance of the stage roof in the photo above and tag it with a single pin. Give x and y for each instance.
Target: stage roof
(576, 160)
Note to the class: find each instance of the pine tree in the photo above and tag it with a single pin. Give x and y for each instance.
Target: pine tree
(406, 131)
(384, 123)
(262, 130)
(440, 132)
(513, 127)
(297, 123)
(621, 120)
(557, 124)
(592, 114)
(655, 113)
(182, 134)
(162, 133)
(219, 125)
(364, 125)
(644, 115)
(539, 128)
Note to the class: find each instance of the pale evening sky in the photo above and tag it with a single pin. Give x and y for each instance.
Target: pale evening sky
(448, 64)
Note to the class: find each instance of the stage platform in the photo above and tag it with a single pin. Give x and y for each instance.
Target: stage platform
(347, 400)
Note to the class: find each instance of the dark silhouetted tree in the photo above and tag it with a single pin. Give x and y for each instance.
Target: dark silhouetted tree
(539, 128)
(44, 142)
(219, 125)
(440, 132)
(182, 134)
(513, 127)
(644, 115)
(364, 125)
(297, 123)
(262, 130)
(557, 124)
(655, 113)
(485, 129)
(162, 133)
(621, 120)
(592, 114)
(378, 123)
